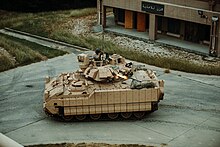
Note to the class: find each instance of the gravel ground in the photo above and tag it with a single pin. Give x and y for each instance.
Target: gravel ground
(83, 26)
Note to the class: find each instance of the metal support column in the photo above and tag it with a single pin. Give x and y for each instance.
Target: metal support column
(214, 36)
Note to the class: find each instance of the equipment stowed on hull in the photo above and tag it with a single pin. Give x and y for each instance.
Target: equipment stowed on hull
(107, 86)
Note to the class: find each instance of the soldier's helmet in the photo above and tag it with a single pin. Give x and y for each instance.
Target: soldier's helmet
(97, 51)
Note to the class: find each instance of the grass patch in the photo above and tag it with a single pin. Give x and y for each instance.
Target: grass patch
(164, 62)
(44, 51)
(65, 36)
(43, 23)
(52, 25)
(17, 52)
(5, 63)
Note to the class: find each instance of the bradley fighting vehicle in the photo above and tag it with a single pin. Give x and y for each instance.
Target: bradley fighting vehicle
(103, 85)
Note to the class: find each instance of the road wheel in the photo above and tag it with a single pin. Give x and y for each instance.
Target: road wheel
(95, 116)
(113, 115)
(67, 118)
(140, 114)
(80, 117)
(126, 115)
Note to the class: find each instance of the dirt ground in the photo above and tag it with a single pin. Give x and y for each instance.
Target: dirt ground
(91, 145)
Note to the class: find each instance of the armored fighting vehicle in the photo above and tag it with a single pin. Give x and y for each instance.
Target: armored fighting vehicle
(103, 85)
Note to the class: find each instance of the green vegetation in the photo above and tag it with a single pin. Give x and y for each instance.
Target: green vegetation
(54, 25)
(65, 36)
(164, 62)
(17, 52)
(43, 23)
(48, 24)
(6, 63)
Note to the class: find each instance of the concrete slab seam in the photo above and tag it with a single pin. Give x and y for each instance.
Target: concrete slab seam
(190, 129)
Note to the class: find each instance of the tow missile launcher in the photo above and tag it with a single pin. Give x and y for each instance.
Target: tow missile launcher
(106, 86)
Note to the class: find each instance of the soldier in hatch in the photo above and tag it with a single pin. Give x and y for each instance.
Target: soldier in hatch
(98, 55)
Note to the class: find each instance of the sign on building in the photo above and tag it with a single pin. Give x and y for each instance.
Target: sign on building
(152, 8)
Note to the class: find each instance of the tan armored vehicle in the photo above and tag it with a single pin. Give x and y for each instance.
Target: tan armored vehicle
(103, 85)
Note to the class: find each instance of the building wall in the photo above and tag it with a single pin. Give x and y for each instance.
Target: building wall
(181, 11)
(200, 4)
(196, 11)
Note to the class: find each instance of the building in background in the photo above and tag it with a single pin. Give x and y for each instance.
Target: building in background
(195, 21)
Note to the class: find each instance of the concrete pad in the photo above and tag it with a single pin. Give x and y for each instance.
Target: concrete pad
(21, 91)
(189, 109)
(180, 91)
(197, 137)
(102, 131)
(164, 119)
